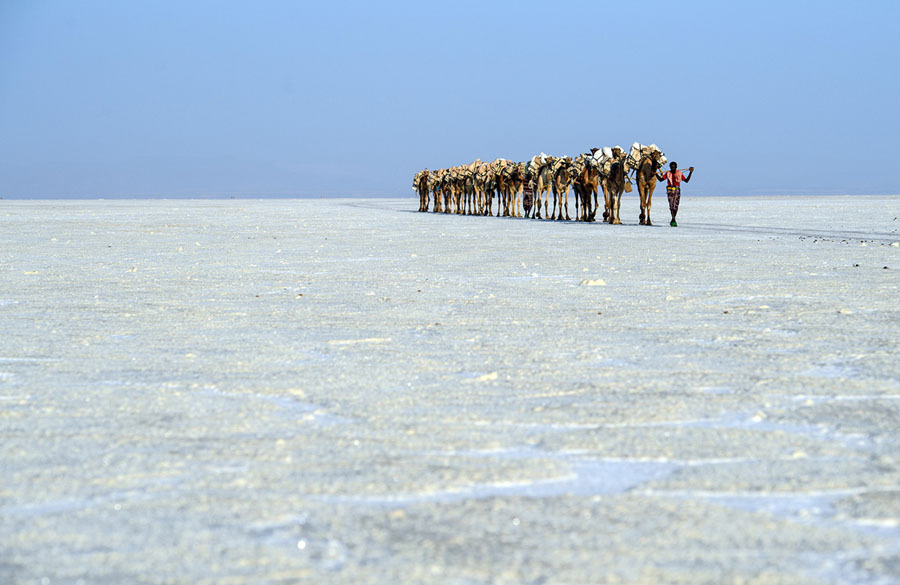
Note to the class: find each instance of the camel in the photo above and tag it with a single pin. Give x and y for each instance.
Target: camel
(501, 186)
(508, 172)
(586, 178)
(576, 170)
(448, 188)
(544, 183)
(477, 185)
(421, 184)
(486, 184)
(471, 194)
(434, 182)
(469, 190)
(594, 159)
(461, 191)
(458, 190)
(501, 178)
(613, 186)
(646, 170)
(562, 179)
(516, 186)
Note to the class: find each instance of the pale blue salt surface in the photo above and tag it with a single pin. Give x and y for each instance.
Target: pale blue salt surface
(344, 391)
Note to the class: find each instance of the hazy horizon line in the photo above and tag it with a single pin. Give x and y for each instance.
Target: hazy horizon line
(412, 196)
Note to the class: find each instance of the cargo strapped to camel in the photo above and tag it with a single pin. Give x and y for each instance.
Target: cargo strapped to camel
(603, 158)
(638, 152)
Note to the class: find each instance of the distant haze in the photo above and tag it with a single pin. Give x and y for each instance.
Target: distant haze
(279, 98)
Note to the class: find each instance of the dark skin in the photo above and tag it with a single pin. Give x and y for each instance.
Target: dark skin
(660, 176)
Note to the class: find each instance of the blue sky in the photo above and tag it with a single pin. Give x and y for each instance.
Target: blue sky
(278, 98)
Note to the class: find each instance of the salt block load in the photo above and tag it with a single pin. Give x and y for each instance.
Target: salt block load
(639, 151)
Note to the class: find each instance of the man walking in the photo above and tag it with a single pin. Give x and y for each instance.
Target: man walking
(674, 177)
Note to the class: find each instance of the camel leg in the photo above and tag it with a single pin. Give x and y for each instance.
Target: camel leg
(617, 200)
(608, 204)
(612, 206)
(642, 191)
(567, 205)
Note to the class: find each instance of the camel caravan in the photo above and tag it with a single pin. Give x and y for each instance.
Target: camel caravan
(521, 188)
